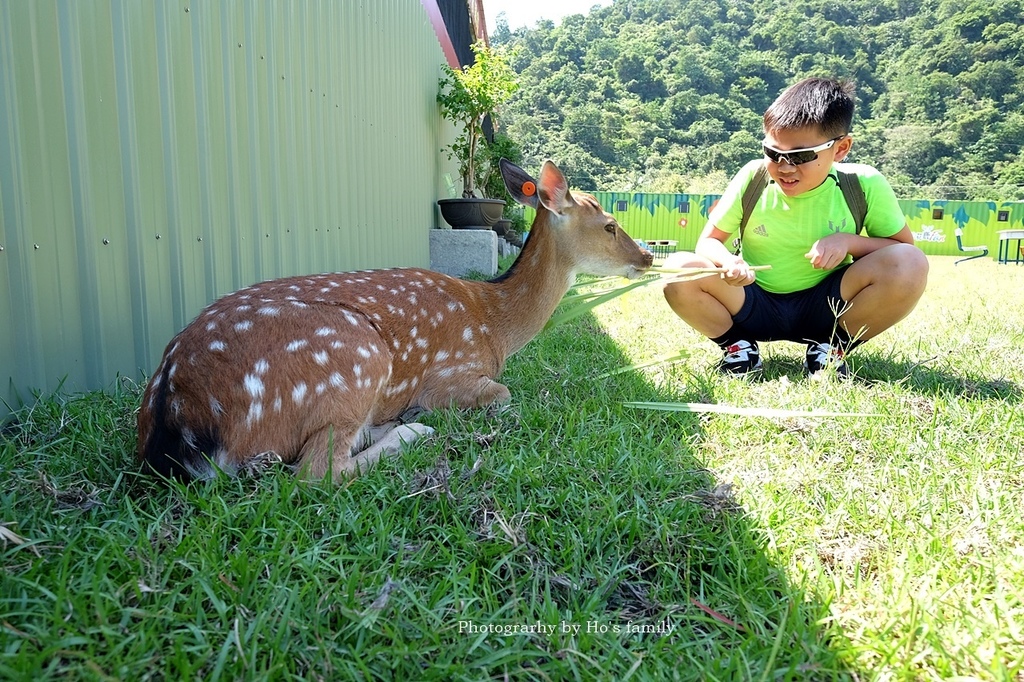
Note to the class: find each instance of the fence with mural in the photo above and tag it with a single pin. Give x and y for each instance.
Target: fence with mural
(676, 220)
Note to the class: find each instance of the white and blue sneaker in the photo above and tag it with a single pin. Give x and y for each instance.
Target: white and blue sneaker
(742, 357)
(821, 356)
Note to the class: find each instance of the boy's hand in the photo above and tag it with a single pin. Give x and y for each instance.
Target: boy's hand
(828, 252)
(737, 272)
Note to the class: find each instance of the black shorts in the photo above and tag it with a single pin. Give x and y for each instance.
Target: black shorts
(801, 316)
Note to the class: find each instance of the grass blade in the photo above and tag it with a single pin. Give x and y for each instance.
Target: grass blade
(743, 411)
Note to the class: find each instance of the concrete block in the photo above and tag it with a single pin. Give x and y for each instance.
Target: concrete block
(459, 252)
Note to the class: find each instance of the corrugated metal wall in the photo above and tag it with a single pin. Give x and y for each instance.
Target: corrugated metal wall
(156, 155)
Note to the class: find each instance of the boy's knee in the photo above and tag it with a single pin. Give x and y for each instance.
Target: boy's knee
(911, 263)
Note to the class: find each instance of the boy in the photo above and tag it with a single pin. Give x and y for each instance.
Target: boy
(804, 229)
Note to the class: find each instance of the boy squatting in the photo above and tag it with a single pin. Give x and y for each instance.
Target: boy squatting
(804, 229)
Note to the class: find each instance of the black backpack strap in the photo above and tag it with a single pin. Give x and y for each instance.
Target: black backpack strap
(854, 195)
(750, 196)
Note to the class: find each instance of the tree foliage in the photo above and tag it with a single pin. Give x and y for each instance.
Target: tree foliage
(666, 93)
(467, 96)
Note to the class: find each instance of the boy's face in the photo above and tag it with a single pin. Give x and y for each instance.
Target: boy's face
(794, 179)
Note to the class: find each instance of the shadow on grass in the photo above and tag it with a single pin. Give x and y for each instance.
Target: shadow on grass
(870, 368)
(604, 521)
(566, 537)
(921, 377)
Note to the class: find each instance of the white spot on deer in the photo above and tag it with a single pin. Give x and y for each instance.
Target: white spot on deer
(352, 319)
(295, 287)
(320, 388)
(484, 329)
(320, 357)
(412, 299)
(467, 335)
(299, 393)
(377, 317)
(413, 332)
(269, 311)
(441, 356)
(395, 390)
(277, 404)
(217, 346)
(172, 371)
(244, 308)
(421, 343)
(255, 413)
(243, 326)
(338, 381)
(423, 359)
(337, 345)
(299, 304)
(210, 326)
(445, 372)
(325, 331)
(357, 370)
(396, 343)
(297, 344)
(261, 367)
(363, 352)
(253, 385)
(459, 355)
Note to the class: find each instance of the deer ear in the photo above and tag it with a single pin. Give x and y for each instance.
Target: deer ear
(554, 190)
(520, 185)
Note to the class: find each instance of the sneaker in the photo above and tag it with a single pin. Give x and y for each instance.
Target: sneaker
(741, 357)
(822, 355)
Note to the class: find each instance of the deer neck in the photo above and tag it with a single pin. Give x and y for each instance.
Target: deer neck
(520, 302)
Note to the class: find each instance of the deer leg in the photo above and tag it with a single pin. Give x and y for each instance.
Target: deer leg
(324, 451)
(477, 391)
(388, 444)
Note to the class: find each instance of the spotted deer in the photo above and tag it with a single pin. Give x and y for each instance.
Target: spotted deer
(321, 369)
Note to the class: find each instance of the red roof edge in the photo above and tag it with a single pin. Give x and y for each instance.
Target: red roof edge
(434, 13)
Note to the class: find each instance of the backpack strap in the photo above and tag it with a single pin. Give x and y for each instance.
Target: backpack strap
(750, 196)
(849, 184)
(855, 199)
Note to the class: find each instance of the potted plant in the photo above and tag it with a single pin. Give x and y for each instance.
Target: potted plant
(467, 96)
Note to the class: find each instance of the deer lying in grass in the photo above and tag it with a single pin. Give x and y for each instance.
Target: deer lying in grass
(320, 369)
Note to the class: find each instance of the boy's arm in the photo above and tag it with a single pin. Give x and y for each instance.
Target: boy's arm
(711, 245)
(830, 251)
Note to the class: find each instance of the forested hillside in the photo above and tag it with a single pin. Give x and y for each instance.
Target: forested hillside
(667, 95)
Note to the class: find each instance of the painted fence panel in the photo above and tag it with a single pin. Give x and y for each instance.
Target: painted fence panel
(680, 218)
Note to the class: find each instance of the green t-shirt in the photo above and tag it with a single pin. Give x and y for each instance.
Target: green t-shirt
(782, 229)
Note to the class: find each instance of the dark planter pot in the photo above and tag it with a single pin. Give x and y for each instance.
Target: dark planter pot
(472, 213)
(502, 227)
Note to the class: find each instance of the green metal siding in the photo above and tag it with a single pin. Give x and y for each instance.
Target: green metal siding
(156, 155)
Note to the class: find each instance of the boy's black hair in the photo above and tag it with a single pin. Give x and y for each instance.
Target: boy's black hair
(823, 102)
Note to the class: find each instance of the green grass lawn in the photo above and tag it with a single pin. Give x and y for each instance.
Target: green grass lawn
(569, 536)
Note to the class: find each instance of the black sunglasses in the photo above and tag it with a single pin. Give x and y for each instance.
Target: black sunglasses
(795, 157)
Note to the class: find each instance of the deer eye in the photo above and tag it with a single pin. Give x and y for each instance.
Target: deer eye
(610, 228)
